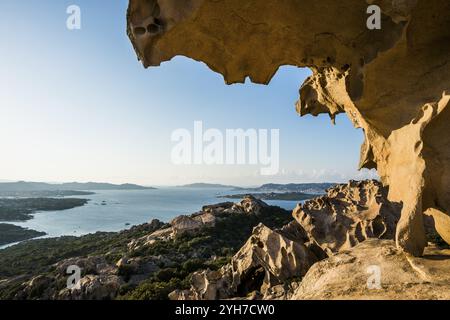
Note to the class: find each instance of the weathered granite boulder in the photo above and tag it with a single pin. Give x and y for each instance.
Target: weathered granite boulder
(250, 205)
(218, 208)
(39, 287)
(88, 265)
(99, 281)
(349, 214)
(269, 258)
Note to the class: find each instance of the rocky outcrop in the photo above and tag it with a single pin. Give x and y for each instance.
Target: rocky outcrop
(271, 261)
(150, 260)
(250, 205)
(93, 287)
(99, 281)
(185, 224)
(376, 269)
(195, 222)
(332, 251)
(268, 259)
(349, 214)
(393, 83)
(157, 231)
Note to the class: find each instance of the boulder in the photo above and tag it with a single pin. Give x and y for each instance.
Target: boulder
(217, 208)
(39, 287)
(207, 219)
(352, 274)
(148, 240)
(269, 258)
(88, 265)
(184, 224)
(349, 214)
(249, 205)
(93, 287)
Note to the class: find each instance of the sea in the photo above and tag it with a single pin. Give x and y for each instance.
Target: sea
(116, 210)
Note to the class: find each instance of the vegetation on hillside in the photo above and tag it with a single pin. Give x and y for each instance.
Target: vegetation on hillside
(208, 248)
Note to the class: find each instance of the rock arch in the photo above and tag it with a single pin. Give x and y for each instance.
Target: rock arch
(394, 82)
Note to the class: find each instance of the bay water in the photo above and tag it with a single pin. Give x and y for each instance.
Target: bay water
(116, 210)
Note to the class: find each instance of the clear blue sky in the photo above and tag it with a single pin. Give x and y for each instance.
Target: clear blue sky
(78, 106)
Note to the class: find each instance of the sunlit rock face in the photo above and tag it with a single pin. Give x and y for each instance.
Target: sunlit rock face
(394, 83)
(349, 214)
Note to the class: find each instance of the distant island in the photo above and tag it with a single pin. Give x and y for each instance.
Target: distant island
(23, 186)
(285, 196)
(208, 185)
(21, 209)
(311, 188)
(44, 193)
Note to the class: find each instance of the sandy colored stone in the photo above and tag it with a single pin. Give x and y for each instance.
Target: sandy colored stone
(393, 83)
(349, 214)
(249, 205)
(346, 275)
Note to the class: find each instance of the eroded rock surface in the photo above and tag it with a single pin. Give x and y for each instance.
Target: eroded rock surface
(272, 262)
(195, 222)
(349, 214)
(393, 83)
(99, 282)
(376, 269)
(151, 260)
(268, 259)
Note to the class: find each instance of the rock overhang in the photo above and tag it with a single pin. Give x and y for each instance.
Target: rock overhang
(393, 83)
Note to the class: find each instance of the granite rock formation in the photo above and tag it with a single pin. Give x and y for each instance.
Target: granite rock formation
(268, 259)
(393, 83)
(282, 263)
(349, 214)
(327, 252)
(100, 282)
(352, 273)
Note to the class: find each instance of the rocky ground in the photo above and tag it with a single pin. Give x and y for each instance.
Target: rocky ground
(21, 209)
(337, 246)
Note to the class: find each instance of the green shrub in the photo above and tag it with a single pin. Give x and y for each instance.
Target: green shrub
(166, 274)
(193, 265)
